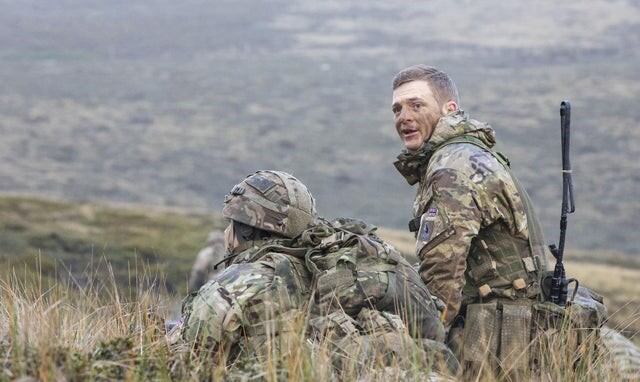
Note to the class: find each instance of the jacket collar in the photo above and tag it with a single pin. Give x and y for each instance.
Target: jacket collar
(412, 164)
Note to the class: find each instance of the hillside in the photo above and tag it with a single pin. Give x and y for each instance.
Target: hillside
(170, 103)
(85, 240)
(45, 241)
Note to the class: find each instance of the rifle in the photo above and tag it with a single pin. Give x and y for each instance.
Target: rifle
(559, 281)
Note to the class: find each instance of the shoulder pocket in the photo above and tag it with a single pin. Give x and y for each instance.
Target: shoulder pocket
(435, 227)
(423, 197)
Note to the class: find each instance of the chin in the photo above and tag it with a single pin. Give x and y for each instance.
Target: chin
(411, 146)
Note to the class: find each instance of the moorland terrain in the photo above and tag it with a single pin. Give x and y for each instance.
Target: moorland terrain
(171, 103)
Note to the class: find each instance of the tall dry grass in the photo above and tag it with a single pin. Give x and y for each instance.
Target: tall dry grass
(101, 331)
(61, 330)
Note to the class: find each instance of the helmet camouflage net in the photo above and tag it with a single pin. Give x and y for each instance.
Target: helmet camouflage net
(273, 201)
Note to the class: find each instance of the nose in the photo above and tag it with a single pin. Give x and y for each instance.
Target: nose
(404, 116)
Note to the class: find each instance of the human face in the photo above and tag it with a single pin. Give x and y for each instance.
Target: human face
(416, 113)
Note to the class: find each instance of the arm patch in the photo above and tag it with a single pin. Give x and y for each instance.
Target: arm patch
(435, 227)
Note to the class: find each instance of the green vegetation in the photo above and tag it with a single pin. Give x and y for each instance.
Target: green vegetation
(47, 241)
(91, 333)
(58, 240)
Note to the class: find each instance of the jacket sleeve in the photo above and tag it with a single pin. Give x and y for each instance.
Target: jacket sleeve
(450, 220)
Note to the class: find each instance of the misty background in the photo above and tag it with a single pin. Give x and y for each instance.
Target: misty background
(172, 103)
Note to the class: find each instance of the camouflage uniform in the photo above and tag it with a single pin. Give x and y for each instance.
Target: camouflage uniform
(372, 335)
(623, 354)
(349, 272)
(482, 251)
(475, 223)
(263, 284)
(208, 261)
(246, 301)
(340, 267)
(354, 269)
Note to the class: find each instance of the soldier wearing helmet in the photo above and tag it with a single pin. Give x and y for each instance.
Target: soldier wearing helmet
(267, 204)
(259, 285)
(282, 209)
(282, 264)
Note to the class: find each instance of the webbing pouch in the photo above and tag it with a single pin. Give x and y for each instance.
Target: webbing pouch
(334, 281)
(481, 333)
(334, 326)
(499, 334)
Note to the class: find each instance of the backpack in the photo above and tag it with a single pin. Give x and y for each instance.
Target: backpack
(354, 269)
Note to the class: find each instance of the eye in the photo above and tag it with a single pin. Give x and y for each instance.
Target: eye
(416, 106)
(396, 109)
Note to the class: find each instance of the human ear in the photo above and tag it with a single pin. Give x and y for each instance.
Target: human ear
(449, 107)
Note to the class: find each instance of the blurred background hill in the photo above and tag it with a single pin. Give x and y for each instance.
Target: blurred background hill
(171, 103)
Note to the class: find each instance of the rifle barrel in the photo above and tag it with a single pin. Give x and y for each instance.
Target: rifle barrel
(558, 293)
(568, 205)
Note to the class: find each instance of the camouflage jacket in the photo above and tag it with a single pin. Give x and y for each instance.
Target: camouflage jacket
(473, 236)
(341, 269)
(247, 299)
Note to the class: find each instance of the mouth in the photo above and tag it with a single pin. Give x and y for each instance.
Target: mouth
(409, 133)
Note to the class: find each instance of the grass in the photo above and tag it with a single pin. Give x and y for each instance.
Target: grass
(620, 287)
(66, 332)
(93, 333)
(85, 290)
(61, 239)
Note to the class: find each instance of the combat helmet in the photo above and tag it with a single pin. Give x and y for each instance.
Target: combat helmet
(273, 201)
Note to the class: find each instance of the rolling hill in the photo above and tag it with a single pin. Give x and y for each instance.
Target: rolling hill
(170, 103)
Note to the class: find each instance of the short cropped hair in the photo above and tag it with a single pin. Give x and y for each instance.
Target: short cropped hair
(443, 87)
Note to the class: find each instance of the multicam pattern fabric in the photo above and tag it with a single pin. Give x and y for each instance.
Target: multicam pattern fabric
(465, 191)
(247, 299)
(624, 355)
(274, 280)
(353, 271)
(374, 335)
(273, 201)
(513, 337)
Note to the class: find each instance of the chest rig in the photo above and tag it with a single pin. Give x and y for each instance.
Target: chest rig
(500, 265)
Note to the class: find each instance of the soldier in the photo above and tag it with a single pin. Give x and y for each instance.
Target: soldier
(260, 283)
(208, 261)
(477, 235)
(479, 242)
(282, 256)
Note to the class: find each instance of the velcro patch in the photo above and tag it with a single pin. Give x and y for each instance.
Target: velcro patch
(237, 190)
(425, 232)
(260, 183)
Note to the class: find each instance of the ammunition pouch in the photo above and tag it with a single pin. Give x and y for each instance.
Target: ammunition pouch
(500, 265)
(511, 335)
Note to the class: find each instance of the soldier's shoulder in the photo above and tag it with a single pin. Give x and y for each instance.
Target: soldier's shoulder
(464, 158)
